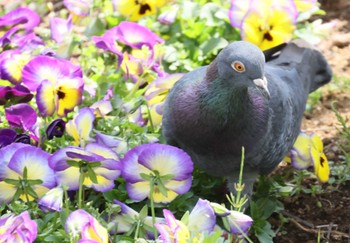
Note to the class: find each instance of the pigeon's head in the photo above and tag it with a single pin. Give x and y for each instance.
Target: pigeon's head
(242, 64)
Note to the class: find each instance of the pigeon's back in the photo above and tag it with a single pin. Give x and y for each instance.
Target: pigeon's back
(292, 74)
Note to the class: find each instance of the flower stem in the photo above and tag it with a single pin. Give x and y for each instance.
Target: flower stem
(152, 209)
(240, 179)
(81, 188)
(66, 200)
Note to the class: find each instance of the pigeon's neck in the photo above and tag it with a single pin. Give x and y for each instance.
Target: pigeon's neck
(226, 105)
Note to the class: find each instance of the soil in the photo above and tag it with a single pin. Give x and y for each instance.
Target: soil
(328, 212)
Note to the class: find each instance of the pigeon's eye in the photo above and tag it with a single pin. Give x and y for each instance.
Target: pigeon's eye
(238, 66)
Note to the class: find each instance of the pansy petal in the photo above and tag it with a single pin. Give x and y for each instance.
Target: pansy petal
(131, 169)
(76, 221)
(298, 161)
(102, 185)
(135, 35)
(36, 162)
(239, 222)
(7, 192)
(46, 98)
(159, 197)
(21, 116)
(94, 231)
(138, 191)
(179, 187)
(58, 160)
(69, 177)
(321, 165)
(60, 28)
(167, 160)
(84, 123)
(102, 151)
(69, 93)
(202, 217)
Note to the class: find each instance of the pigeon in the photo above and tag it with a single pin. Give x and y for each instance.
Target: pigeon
(243, 98)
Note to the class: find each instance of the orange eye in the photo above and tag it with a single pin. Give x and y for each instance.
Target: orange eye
(238, 66)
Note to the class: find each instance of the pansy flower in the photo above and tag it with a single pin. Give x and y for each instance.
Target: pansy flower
(20, 228)
(202, 218)
(14, 94)
(168, 17)
(157, 170)
(60, 28)
(127, 218)
(24, 172)
(58, 83)
(11, 65)
(101, 108)
(156, 93)
(19, 19)
(264, 23)
(173, 230)
(308, 150)
(82, 226)
(55, 129)
(23, 116)
(7, 136)
(52, 200)
(134, 10)
(200, 221)
(98, 165)
(236, 222)
(127, 33)
(81, 126)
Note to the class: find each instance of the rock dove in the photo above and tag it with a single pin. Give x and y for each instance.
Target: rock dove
(242, 100)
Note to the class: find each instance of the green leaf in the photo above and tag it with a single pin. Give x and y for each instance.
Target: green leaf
(162, 188)
(74, 163)
(31, 192)
(167, 177)
(144, 212)
(12, 182)
(95, 27)
(146, 177)
(34, 182)
(92, 175)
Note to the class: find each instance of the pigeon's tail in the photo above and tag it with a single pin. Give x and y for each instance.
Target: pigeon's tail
(307, 60)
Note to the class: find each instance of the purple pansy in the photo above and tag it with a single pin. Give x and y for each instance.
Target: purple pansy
(14, 94)
(128, 218)
(169, 16)
(238, 222)
(80, 224)
(127, 33)
(105, 172)
(171, 167)
(58, 83)
(60, 28)
(11, 65)
(52, 200)
(20, 228)
(17, 157)
(55, 129)
(7, 136)
(23, 116)
(19, 19)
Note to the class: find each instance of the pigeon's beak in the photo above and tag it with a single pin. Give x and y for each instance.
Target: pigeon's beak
(261, 83)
